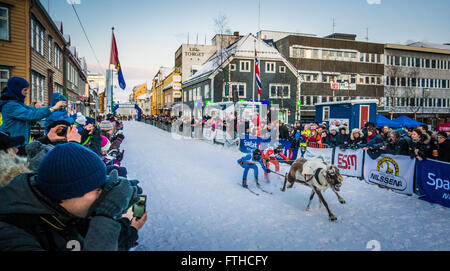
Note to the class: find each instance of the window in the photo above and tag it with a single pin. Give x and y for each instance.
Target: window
(270, 67)
(37, 36)
(427, 63)
(244, 66)
(59, 88)
(282, 69)
(4, 76)
(308, 100)
(207, 92)
(279, 91)
(373, 58)
(37, 87)
(190, 95)
(239, 87)
(418, 62)
(4, 23)
(58, 58)
(50, 46)
(396, 61)
(433, 64)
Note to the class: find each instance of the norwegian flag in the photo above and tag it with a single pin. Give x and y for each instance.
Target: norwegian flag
(258, 78)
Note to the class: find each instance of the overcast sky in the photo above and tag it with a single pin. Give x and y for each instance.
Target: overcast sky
(148, 32)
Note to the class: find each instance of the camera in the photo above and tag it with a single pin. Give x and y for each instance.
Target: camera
(63, 132)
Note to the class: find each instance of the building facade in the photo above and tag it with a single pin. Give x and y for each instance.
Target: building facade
(234, 66)
(417, 82)
(334, 68)
(34, 47)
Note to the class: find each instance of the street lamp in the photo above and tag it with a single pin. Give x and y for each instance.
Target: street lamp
(423, 101)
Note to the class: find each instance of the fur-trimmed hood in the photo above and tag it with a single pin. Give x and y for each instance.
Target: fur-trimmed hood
(361, 135)
(426, 138)
(11, 166)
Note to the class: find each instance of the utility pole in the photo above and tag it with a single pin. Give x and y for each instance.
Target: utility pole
(334, 25)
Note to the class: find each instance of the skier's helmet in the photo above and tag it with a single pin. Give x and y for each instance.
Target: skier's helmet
(257, 154)
(278, 148)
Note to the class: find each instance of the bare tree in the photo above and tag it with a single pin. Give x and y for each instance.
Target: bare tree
(221, 27)
(415, 94)
(393, 76)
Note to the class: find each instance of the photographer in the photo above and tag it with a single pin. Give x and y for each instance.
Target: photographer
(375, 144)
(69, 199)
(397, 145)
(17, 117)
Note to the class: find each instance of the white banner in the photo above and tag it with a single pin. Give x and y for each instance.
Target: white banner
(393, 171)
(349, 162)
(325, 154)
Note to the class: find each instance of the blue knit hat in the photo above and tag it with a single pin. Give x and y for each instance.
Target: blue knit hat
(14, 88)
(70, 171)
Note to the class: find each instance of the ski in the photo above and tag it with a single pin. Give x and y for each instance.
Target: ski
(265, 191)
(250, 190)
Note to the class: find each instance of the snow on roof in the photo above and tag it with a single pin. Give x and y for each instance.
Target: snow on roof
(362, 101)
(425, 44)
(144, 96)
(244, 47)
(169, 86)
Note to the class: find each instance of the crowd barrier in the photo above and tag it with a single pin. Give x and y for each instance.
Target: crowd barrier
(399, 173)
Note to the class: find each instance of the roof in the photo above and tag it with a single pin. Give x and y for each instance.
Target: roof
(418, 49)
(243, 48)
(169, 86)
(430, 45)
(352, 102)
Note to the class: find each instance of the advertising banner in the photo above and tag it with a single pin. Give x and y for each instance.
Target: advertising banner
(325, 154)
(349, 162)
(391, 171)
(247, 144)
(433, 181)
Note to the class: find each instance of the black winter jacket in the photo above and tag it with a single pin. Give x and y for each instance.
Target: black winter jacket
(29, 221)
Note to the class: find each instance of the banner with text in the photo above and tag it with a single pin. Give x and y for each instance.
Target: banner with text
(433, 181)
(392, 171)
(349, 162)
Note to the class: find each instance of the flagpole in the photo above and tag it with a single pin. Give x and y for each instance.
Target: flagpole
(254, 72)
(112, 76)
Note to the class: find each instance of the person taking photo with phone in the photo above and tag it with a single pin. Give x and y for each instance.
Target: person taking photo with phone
(17, 116)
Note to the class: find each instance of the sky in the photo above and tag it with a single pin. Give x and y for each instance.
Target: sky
(148, 32)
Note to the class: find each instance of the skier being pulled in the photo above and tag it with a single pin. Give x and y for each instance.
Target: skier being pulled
(273, 155)
(249, 162)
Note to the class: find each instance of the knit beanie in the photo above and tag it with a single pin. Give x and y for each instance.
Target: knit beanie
(70, 171)
(80, 119)
(14, 88)
(105, 144)
(106, 125)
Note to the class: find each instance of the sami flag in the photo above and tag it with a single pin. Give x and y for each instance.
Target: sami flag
(114, 60)
(258, 78)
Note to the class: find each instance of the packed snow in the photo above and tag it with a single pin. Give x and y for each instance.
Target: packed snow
(195, 202)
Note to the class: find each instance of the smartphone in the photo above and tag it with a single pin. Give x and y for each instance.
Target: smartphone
(139, 207)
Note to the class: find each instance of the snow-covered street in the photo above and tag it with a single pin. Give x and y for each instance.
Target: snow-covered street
(195, 202)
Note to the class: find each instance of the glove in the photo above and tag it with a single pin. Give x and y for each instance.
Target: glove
(267, 159)
(117, 197)
(241, 163)
(268, 171)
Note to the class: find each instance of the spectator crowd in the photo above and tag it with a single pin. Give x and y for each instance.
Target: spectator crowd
(418, 142)
(67, 185)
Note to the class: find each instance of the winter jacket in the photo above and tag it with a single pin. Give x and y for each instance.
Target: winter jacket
(93, 142)
(284, 132)
(375, 143)
(401, 147)
(29, 221)
(342, 139)
(422, 147)
(444, 151)
(17, 117)
(332, 140)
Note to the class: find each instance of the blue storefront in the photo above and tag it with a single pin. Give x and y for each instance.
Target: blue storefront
(353, 112)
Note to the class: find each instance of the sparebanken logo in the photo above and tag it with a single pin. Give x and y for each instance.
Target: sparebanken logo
(387, 174)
